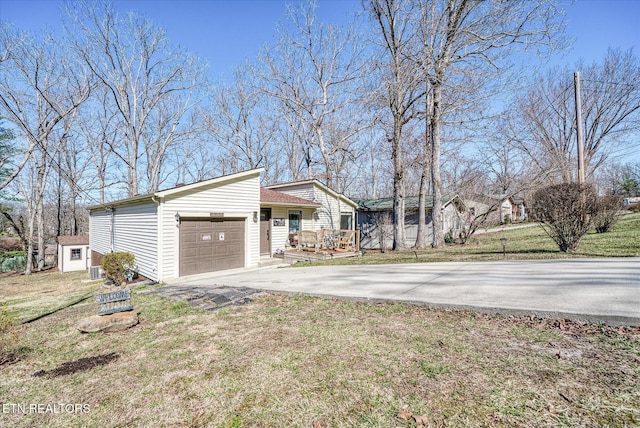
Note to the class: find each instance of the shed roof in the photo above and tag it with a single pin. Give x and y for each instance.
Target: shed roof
(410, 203)
(73, 240)
(272, 197)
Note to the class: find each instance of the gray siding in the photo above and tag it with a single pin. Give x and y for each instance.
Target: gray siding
(373, 231)
(100, 231)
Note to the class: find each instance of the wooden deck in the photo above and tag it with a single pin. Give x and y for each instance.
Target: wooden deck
(292, 256)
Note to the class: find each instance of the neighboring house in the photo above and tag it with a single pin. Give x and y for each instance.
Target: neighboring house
(631, 201)
(376, 225)
(73, 253)
(519, 209)
(506, 208)
(51, 255)
(223, 223)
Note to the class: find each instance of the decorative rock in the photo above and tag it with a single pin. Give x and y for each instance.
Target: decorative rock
(107, 323)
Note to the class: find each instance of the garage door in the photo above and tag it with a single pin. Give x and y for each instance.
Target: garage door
(209, 246)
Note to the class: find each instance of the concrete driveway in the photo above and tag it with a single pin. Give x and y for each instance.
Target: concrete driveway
(596, 290)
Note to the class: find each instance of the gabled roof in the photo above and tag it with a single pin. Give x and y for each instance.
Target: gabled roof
(73, 240)
(315, 182)
(271, 197)
(410, 203)
(178, 189)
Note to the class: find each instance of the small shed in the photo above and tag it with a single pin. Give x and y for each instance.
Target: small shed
(73, 253)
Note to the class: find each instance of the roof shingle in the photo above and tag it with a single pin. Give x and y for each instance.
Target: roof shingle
(267, 195)
(73, 240)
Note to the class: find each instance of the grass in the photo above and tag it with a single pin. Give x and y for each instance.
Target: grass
(311, 362)
(36, 295)
(529, 243)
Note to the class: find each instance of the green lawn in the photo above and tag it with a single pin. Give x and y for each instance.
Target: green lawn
(295, 361)
(522, 243)
(311, 362)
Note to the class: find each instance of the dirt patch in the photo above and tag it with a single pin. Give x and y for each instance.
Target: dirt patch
(80, 365)
(566, 326)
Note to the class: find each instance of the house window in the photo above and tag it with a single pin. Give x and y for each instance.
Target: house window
(295, 219)
(346, 221)
(76, 254)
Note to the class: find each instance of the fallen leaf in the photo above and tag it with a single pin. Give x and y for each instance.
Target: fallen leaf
(404, 415)
(421, 420)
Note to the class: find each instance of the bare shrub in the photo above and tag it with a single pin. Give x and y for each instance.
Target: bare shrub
(566, 212)
(609, 212)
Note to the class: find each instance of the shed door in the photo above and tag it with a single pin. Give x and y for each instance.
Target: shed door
(209, 246)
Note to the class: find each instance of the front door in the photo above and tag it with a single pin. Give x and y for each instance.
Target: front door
(265, 231)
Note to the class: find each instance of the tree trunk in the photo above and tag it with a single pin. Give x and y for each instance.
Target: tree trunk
(421, 239)
(436, 179)
(399, 237)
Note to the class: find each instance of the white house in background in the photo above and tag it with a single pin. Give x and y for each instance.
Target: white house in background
(222, 223)
(73, 253)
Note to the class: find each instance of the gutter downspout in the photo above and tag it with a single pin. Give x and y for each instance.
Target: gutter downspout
(113, 228)
(158, 237)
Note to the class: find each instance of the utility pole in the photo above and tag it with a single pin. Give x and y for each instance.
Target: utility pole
(576, 84)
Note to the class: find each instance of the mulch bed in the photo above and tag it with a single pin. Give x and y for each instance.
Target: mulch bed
(79, 365)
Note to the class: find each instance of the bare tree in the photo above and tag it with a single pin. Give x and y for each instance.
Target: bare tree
(400, 91)
(39, 88)
(97, 126)
(545, 124)
(466, 40)
(153, 87)
(316, 72)
(10, 44)
(241, 124)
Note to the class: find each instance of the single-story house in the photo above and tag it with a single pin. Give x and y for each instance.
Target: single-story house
(329, 210)
(375, 219)
(506, 208)
(73, 253)
(223, 223)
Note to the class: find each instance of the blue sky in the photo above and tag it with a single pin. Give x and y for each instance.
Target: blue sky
(227, 32)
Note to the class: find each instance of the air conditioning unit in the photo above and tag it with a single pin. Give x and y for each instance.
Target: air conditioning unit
(95, 272)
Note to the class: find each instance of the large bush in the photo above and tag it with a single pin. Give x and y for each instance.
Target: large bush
(117, 265)
(566, 212)
(609, 212)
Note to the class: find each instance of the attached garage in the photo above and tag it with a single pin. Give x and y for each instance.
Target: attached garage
(202, 227)
(210, 245)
